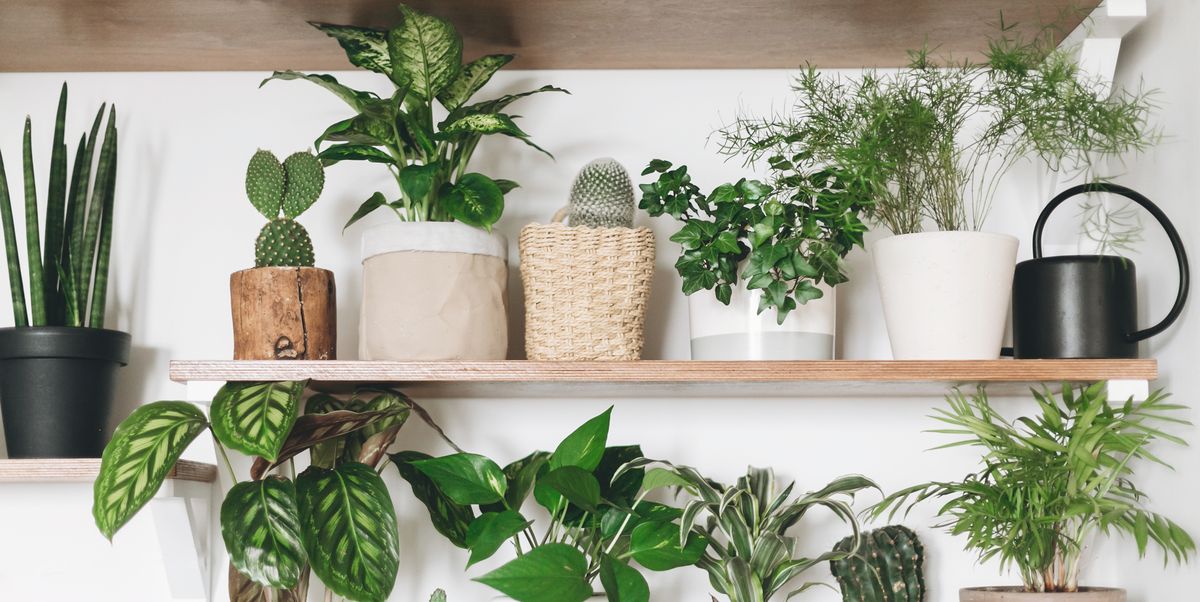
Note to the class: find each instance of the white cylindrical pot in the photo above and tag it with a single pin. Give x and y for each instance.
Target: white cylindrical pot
(945, 294)
(738, 332)
(433, 291)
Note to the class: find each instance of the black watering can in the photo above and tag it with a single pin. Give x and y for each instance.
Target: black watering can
(1085, 306)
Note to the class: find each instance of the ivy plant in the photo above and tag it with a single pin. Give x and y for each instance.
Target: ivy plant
(600, 522)
(427, 153)
(784, 239)
(335, 519)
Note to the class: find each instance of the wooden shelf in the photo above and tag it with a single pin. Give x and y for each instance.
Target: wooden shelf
(52, 470)
(232, 35)
(674, 378)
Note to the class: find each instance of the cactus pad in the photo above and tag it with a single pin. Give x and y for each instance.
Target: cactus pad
(305, 180)
(888, 567)
(265, 182)
(602, 196)
(283, 243)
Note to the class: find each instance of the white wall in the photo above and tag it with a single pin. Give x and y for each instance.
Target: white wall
(184, 224)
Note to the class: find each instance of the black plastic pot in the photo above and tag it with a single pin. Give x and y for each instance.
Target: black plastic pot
(56, 389)
(1085, 306)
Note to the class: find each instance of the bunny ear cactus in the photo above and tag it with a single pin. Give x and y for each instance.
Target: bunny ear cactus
(887, 567)
(422, 57)
(281, 192)
(602, 196)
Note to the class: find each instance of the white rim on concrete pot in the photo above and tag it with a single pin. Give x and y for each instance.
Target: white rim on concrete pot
(1018, 594)
(945, 294)
(738, 332)
(433, 291)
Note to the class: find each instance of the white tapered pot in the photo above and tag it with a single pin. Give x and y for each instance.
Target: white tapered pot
(945, 294)
(738, 332)
(433, 291)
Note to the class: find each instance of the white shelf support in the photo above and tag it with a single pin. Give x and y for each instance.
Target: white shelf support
(1120, 391)
(1098, 39)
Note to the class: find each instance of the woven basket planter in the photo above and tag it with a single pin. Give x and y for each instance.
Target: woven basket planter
(585, 291)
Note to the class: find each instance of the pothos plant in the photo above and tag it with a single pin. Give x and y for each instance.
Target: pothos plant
(1048, 484)
(600, 522)
(750, 557)
(335, 518)
(428, 155)
(785, 239)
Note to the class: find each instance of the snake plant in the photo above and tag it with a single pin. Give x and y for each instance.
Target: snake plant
(68, 261)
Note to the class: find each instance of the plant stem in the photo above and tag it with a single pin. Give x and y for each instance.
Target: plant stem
(225, 458)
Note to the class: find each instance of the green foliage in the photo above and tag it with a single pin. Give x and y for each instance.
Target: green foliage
(599, 519)
(750, 557)
(785, 239)
(933, 140)
(888, 566)
(68, 264)
(336, 520)
(281, 192)
(422, 58)
(602, 196)
(1049, 483)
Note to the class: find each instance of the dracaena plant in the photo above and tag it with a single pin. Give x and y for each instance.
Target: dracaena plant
(785, 239)
(1050, 483)
(427, 151)
(335, 519)
(750, 557)
(600, 522)
(68, 260)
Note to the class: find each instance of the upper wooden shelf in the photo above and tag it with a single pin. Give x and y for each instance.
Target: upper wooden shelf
(54, 470)
(235, 35)
(675, 378)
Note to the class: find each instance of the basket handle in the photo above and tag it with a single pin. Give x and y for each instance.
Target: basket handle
(561, 214)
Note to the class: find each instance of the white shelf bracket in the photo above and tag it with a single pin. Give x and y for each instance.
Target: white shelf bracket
(1098, 39)
(1120, 391)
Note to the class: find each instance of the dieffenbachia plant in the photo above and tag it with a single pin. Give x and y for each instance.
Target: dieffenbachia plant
(600, 521)
(784, 240)
(422, 58)
(68, 261)
(750, 557)
(336, 518)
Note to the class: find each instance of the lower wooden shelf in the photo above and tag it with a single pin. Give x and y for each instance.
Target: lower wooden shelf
(73, 470)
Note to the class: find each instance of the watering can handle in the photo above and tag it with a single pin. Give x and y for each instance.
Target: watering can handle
(1172, 234)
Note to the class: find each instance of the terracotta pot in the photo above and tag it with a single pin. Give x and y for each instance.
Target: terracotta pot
(284, 314)
(1016, 594)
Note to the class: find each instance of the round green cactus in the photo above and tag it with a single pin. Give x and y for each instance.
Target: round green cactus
(888, 567)
(283, 242)
(602, 196)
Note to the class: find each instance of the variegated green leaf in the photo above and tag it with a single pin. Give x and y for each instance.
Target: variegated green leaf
(426, 53)
(355, 98)
(496, 104)
(366, 48)
(474, 200)
(260, 523)
(350, 532)
(255, 418)
(312, 429)
(450, 518)
(471, 78)
(354, 152)
(481, 123)
(140, 455)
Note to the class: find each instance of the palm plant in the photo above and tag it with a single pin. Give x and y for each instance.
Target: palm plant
(1050, 483)
(68, 261)
(750, 557)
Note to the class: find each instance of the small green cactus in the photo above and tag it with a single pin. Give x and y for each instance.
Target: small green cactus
(602, 196)
(888, 567)
(281, 192)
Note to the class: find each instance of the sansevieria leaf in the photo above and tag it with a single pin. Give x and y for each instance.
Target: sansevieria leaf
(260, 523)
(471, 78)
(426, 53)
(255, 418)
(349, 530)
(142, 453)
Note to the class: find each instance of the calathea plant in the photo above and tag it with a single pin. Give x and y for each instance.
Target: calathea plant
(336, 518)
(599, 522)
(750, 557)
(785, 239)
(428, 157)
(1050, 483)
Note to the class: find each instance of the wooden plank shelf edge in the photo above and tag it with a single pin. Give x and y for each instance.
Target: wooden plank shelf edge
(73, 470)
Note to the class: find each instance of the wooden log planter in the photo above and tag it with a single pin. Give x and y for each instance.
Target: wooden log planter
(284, 313)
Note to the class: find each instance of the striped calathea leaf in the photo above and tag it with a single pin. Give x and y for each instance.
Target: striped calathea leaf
(260, 523)
(349, 530)
(242, 589)
(139, 457)
(255, 418)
